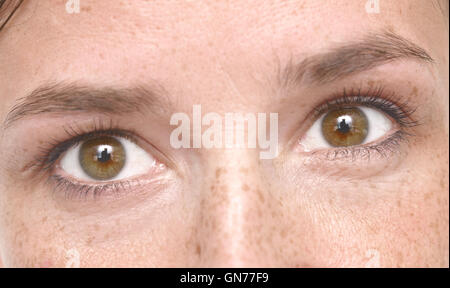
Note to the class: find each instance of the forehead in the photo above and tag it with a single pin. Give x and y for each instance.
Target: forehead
(228, 23)
(182, 41)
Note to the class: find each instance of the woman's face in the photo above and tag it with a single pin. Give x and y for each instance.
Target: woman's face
(90, 175)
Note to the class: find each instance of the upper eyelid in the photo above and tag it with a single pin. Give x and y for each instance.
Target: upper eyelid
(399, 110)
(51, 154)
(353, 97)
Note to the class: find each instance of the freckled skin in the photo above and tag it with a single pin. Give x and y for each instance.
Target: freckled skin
(228, 207)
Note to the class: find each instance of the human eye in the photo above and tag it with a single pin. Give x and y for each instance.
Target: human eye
(106, 158)
(357, 124)
(98, 161)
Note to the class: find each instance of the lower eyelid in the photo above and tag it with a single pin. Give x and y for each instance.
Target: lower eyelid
(70, 188)
(385, 148)
(354, 162)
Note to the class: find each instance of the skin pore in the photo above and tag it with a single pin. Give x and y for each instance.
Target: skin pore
(224, 207)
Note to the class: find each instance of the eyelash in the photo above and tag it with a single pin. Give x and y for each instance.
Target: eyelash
(75, 134)
(378, 98)
(73, 190)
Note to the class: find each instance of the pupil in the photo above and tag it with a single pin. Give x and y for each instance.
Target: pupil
(104, 155)
(343, 125)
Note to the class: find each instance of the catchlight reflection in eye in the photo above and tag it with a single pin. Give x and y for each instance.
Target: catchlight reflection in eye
(344, 127)
(106, 158)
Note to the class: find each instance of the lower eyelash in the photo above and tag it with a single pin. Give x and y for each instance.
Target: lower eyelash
(384, 149)
(72, 190)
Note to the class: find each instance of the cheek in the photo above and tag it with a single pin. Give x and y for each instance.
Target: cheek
(410, 227)
(31, 236)
(52, 245)
(25, 245)
(398, 221)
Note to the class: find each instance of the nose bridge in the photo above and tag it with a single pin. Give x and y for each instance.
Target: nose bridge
(231, 207)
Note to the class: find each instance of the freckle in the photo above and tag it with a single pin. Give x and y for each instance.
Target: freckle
(399, 203)
(245, 187)
(218, 172)
(44, 219)
(414, 92)
(96, 227)
(89, 240)
(198, 250)
(400, 257)
(212, 187)
(283, 233)
(427, 196)
(260, 195)
(442, 183)
(86, 8)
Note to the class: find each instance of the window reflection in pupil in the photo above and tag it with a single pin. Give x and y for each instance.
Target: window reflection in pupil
(344, 124)
(102, 158)
(105, 155)
(343, 127)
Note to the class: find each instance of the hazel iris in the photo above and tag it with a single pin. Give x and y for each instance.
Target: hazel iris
(345, 127)
(102, 158)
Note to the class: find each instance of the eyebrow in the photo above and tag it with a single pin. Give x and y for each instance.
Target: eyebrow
(342, 61)
(73, 97)
(8, 10)
(374, 50)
